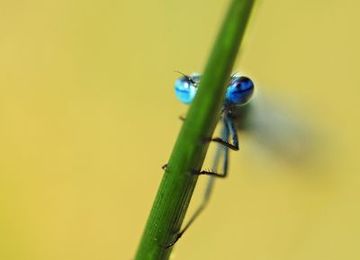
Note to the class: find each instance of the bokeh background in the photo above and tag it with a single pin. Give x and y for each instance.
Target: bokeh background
(88, 116)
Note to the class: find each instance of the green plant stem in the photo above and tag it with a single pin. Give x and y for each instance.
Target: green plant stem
(178, 183)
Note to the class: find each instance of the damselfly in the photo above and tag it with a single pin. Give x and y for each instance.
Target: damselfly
(238, 93)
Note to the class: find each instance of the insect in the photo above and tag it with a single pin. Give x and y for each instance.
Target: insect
(238, 93)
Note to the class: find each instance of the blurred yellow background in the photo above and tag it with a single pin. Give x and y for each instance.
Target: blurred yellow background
(88, 116)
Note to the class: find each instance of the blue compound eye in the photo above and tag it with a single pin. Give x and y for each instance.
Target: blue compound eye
(239, 90)
(186, 88)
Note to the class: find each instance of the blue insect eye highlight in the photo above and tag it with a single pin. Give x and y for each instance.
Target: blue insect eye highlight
(186, 88)
(239, 90)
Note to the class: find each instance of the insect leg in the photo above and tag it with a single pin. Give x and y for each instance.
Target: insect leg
(221, 151)
(229, 125)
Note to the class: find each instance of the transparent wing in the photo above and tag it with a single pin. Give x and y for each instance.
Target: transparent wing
(278, 129)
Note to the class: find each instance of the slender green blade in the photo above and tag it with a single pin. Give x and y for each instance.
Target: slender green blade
(178, 183)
